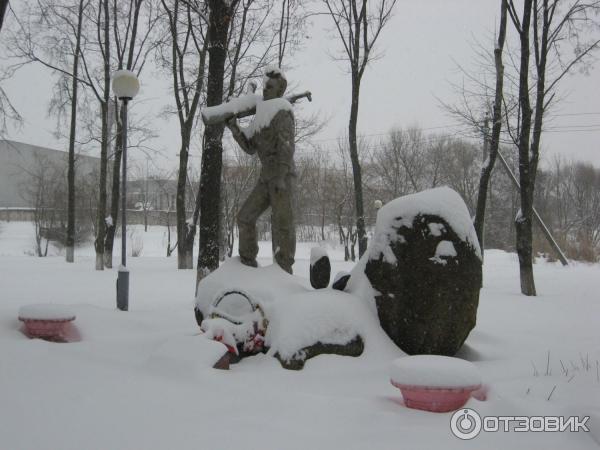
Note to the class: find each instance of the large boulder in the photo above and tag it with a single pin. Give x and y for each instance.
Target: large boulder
(425, 264)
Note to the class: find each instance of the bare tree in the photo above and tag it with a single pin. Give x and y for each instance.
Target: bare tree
(220, 16)
(186, 62)
(358, 26)
(70, 238)
(60, 25)
(45, 189)
(494, 140)
(548, 28)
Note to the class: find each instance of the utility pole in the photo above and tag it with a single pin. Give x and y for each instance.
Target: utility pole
(536, 216)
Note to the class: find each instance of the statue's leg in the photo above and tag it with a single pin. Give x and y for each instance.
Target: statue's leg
(256, 203)
(282, 223)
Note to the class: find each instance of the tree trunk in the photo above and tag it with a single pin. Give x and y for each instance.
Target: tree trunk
(3, 8)
(101, 212)
(70, 238)
(182, 225)
(323, 224)
(114, 197)
(494, 144)
(524, 222)
(356, 170)
(212, 155)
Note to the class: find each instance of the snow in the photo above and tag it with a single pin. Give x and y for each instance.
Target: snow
(434, 371)
(274, 70)
(227, 332)
(436, 229)
(232, 107)
(184, 356)
(46, 312)
(298, 315)
(330, 317)
(235, 305)
(339, 275)
(136, 381)
(316, 253)
(443, 202)
(265, 112)
(444, 249)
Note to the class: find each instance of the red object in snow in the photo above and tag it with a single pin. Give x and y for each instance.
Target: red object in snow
(435, 399)
(47, 322)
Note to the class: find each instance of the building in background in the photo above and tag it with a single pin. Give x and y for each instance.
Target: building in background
(21, 164)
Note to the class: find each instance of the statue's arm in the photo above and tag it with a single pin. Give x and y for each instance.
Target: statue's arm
(240, 137)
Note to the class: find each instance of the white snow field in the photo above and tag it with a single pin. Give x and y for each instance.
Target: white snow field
(133, 383)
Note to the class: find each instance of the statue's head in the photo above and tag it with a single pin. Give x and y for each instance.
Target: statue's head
(274, 83)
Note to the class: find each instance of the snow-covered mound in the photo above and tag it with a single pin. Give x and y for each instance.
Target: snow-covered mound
(434, 371)
(264, 284)
(328, 317)
(298, 316)
(185, 356)
(443, 202)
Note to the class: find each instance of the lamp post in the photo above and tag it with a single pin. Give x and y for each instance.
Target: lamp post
(125, 85)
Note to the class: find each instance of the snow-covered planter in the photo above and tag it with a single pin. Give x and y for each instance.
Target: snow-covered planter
(425, 264)
(435, 383)
(46, 321)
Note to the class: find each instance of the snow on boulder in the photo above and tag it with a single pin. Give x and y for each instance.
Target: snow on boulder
(425, 264)
(320, 268)
(340, 280)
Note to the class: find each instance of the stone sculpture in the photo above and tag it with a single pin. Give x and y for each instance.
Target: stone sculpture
(271, 136)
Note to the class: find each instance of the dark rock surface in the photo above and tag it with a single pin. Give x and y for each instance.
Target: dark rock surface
(353, 348)
(428, 298)
(320, 273)
(341, 281)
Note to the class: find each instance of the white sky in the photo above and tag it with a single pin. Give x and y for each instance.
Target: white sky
(422, 44)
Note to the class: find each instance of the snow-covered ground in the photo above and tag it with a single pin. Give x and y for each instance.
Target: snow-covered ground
(128, 384)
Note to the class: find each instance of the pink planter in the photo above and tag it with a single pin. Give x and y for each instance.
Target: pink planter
(47, 329)
(435, 399)
(49, 321)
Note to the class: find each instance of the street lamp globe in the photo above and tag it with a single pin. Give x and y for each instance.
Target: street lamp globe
(125, 84)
